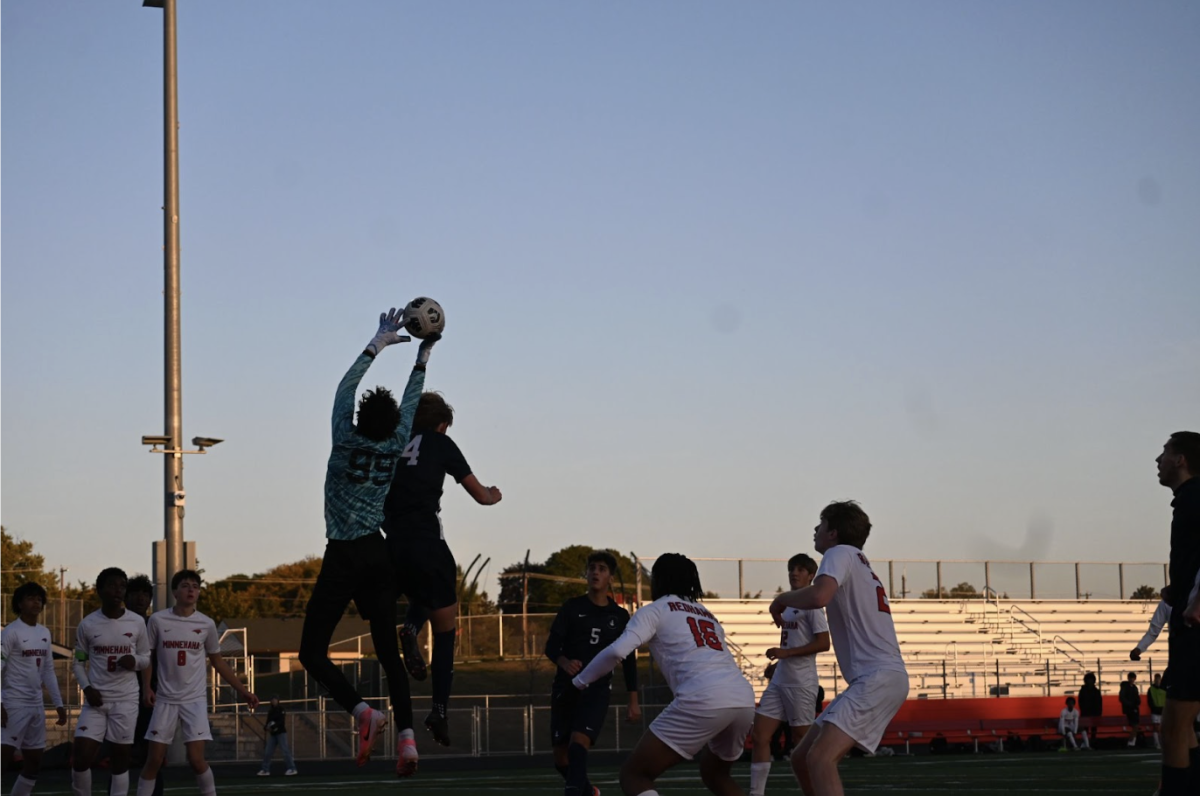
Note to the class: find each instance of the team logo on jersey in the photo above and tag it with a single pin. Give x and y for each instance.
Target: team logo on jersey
(198, 630)
(612, 622)
(128, 635)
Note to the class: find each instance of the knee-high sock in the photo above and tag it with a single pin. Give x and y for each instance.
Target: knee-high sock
(206, 783)
(562, 770)
(23, 786)
(81, 782)
(1194, 768)
(443, 667)
(119, 785)
(1174, 781)
(577, 777)
(415, 619)
(758, 778)
(145, 787)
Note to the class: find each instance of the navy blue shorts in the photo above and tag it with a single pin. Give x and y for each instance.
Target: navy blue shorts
(572, 710)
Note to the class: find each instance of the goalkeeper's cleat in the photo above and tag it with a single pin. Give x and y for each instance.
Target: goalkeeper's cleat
(438, 726)
(412, 655)
(406, 757)
(370, 724)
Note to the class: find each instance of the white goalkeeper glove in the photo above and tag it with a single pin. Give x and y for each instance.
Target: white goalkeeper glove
(390, 324)
(426, 348)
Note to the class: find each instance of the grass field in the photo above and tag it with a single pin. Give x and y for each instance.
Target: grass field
(1098, 773)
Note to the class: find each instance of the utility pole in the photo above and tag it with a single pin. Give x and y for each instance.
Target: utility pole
(62, 604)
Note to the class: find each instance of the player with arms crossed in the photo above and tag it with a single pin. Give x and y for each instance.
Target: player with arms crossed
(26, 667)
(356, 565)
(792, 694)
(585, 625)
(1179, 471)
(111, 647)
(864, 640)
(424, 564)
(713, 706)
(183, 640)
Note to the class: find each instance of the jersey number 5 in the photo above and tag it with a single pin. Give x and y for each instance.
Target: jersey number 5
(705, 633)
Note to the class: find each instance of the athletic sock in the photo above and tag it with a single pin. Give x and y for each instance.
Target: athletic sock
(145, 787)
(23, 786)
(119, 785)
(1174, 781)
(1194, 768)
(577, 777)
(81, 782)
(758, 778)
(562, 770)
(443, 667)
(206, 784)
(359, 709)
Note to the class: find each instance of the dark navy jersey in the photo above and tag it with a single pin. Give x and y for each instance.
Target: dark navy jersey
(1185, 547)
(415, 499)
(582, 629)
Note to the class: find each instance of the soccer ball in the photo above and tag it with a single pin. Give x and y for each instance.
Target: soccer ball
(423, 317)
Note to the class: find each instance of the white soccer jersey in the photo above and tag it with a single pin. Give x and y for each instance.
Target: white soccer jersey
(182, 644)
(799, 628)
(1068, 721)
(99, 643)
(860, 617)
(688, 643)
(27, 665)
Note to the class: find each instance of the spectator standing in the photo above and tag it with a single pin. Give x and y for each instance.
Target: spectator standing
(1156, 699)
(1091, 704)
(1131, 702)
(277, 737)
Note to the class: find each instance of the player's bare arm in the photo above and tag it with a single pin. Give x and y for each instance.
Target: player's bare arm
(230, 676)
(569, 665)
(147, 691)
(818, 595)
(483, 495)
(820, 643)
(93, 696)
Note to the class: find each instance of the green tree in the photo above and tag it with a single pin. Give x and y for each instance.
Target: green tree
(1144, 592)
(561, 577)
(963, 591)
(22, 565)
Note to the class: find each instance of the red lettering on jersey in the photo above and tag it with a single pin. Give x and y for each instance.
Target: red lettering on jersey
(705, 634)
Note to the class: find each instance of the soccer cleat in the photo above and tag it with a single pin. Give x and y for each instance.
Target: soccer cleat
(438, 727)
(406, 757)
(370, 724)
(413, 662)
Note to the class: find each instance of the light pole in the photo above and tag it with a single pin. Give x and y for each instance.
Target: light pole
(172, 439)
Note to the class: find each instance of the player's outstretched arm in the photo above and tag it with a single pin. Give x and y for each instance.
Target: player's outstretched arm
(639, 631)
(412, 390)
(483, 495)
(818, 595)
(230, 676)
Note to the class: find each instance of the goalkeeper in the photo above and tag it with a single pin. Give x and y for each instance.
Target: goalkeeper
(356, 563)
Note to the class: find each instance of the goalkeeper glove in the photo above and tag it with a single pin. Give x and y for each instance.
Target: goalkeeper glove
(426, 348)
(390, 324)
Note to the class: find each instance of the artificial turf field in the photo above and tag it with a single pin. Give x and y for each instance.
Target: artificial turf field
(1099, 773)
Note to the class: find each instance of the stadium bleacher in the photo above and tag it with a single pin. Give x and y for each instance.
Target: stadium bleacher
(959, 647)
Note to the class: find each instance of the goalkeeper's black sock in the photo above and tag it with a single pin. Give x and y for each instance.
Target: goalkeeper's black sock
(577, 755)
(443, 667)
(1174, 781)
(562, 770)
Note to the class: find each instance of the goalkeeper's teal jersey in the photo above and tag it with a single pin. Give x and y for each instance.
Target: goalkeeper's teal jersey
(360, 470)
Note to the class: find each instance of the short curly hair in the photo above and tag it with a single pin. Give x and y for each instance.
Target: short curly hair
(378, 414)
(675, 573)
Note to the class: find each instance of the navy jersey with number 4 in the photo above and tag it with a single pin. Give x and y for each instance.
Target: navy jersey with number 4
(582, 629)
(415, 499)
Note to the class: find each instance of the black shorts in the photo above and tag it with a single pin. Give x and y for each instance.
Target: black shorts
(572, 710)
(1182, 677)
(1132, 716)
(426, 571)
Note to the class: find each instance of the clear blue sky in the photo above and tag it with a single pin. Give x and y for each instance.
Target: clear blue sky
(706, 267)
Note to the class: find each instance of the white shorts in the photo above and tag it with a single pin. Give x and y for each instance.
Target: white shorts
(1156, 719)
(113, 722)
(191, 716)
(26, 728)
(688, 729)
(864, 710)
(795, 704)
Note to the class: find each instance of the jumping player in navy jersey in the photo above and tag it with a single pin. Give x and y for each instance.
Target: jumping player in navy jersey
(427, 573)
(356, 565)
(585, 625)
